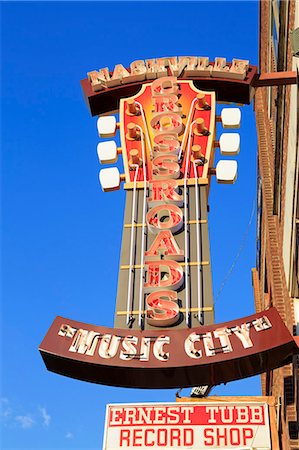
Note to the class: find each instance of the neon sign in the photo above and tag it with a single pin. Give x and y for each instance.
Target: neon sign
(168, 358)
(164, 333)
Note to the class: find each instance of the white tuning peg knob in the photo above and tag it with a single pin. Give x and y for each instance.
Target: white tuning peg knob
(231, 117)
(229, 143)
(226, 171)
(110, 179)
(107, 152)
(106, 126)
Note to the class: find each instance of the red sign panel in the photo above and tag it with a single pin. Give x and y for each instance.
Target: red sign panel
(173, 425)
(159, 119)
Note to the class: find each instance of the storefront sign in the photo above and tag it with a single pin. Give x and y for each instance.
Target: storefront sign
(188, 425)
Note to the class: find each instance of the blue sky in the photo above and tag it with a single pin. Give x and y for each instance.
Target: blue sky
(61, 234)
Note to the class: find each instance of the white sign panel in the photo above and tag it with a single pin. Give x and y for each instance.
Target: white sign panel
(203, 425)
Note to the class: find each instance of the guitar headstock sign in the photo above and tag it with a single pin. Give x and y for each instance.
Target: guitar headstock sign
(164, 333)
(167, 135)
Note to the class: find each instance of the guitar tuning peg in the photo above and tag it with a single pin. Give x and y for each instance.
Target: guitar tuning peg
(134, 158)
(110, 179)
(107, 152)
(229, 143)
(106, 126)
(231, 117)
(202, 103)
(200, 128)
(133, 134)
(226, 171)
(132, 108)
(196, 152)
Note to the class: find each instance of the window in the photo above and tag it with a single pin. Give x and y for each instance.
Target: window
(275, 26)
(275, 39)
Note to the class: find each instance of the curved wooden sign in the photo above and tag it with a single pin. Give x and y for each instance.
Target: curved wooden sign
(232, 82)
(169, 358)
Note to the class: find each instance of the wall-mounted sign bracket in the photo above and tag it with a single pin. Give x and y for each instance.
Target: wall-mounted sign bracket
(275, 79)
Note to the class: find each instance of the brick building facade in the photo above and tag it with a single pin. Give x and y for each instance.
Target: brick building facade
(276, 276)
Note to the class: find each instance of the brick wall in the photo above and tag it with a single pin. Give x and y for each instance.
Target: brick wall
(282, 386)
(282, 382)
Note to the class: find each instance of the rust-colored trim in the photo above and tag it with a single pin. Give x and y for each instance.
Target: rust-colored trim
(275, 79)
(223, 399)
